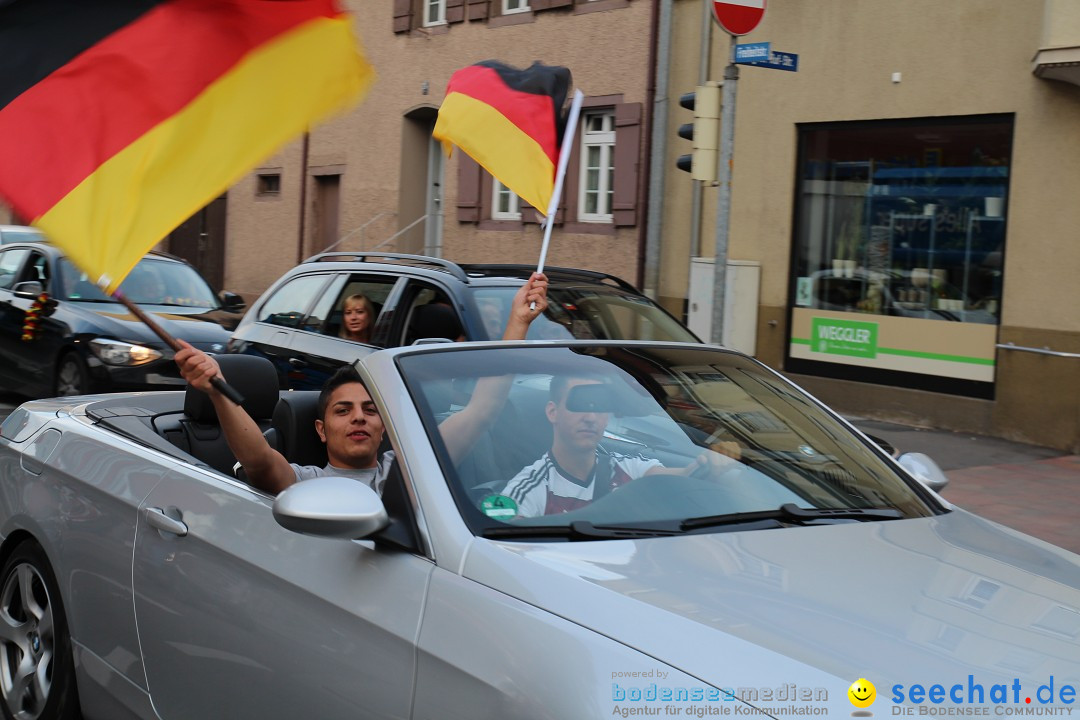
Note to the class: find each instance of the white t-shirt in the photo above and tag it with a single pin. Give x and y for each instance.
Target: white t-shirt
(374, 477)
(544, 488)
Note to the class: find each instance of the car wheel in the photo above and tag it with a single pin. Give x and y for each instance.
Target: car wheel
(72, 377)
(37, 673)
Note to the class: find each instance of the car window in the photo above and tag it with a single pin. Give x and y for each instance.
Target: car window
(650, 415)
(290, 303)
(585, 314)
(151, 282)
(326, 317)
(36, 270)
(421, 294)
(10, 261)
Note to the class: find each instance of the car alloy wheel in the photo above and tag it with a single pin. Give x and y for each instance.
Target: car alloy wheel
(36, 669)
(71, 376)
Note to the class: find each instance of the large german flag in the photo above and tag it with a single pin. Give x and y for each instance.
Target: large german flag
(121, 118)
(509, 121)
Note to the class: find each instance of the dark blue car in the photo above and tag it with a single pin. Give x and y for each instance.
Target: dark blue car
(89, 342)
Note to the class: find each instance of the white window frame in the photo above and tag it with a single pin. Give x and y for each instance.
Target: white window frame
(604, 140)
(440, 12)
(521, 6)
(497, 190)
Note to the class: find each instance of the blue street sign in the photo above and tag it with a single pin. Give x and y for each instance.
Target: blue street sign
(779, 61)
(752, 52)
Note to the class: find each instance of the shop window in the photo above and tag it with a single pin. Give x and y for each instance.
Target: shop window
(898, 251)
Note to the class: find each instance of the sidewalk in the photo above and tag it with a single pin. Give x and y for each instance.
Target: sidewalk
(1033, 489)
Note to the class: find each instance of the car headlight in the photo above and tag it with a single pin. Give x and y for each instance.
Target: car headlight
(116, 352)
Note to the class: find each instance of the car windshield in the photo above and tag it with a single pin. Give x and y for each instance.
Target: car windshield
(593, 313)
(150, 282)
(661, 438)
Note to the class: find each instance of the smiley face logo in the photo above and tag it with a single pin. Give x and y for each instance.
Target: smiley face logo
(862, 693)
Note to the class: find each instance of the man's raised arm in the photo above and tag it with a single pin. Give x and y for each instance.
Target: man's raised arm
(461, 430)
(266, 468)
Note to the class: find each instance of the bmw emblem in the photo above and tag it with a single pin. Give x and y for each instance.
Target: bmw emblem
(217, 347)
(35, 642)
(807, 450)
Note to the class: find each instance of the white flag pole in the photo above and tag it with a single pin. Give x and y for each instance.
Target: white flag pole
(564, 158)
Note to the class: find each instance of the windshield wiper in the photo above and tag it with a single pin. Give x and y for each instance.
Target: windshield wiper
(790, 512)
(580, 530)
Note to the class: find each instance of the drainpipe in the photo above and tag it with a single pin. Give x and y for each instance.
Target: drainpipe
(661, 71)
(303, 197)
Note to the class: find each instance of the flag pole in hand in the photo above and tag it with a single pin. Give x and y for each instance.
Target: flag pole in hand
(219, 383)
(560, 175)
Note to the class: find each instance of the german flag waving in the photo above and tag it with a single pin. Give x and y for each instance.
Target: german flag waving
(509, 121)
(121, 118)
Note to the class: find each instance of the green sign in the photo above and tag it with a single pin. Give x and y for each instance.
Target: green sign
(499, 506)
(844, 337)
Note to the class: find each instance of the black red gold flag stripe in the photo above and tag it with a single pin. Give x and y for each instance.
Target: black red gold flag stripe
(121, 118)
(509, 121)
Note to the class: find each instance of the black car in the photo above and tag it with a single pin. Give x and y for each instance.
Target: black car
(297, 322)
(91, 343)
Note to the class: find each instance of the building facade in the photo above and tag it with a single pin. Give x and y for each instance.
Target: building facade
(375, 179)
(908, 194)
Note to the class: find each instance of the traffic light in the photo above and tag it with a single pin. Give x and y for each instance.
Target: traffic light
(704, 132)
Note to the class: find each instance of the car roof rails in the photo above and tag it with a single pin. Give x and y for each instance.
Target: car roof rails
(394, 258)
(524, 271)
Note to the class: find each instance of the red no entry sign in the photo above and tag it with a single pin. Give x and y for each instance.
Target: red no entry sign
(738, 17)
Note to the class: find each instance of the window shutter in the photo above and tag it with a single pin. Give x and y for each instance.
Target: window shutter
(455, 11)
(627, 154)
(478, 9)
(468, 192)
(402, 15)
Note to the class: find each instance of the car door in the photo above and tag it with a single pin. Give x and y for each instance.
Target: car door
(239, 618)
(277, 320)
(318, 350)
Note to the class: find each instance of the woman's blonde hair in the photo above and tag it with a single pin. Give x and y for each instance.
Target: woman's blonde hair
(361, 298)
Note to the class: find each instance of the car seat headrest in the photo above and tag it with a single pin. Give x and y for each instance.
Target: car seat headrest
(253, 377)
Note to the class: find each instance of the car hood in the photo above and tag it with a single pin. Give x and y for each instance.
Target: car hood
(200, 327)
(928, 601)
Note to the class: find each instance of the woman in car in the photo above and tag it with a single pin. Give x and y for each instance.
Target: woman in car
(357, 317)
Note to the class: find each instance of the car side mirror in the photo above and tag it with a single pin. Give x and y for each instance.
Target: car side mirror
(232, 302)
(331, 507)
(30, 289)
(924, 469)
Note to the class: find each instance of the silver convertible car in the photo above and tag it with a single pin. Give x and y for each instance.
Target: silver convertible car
(735, 549)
